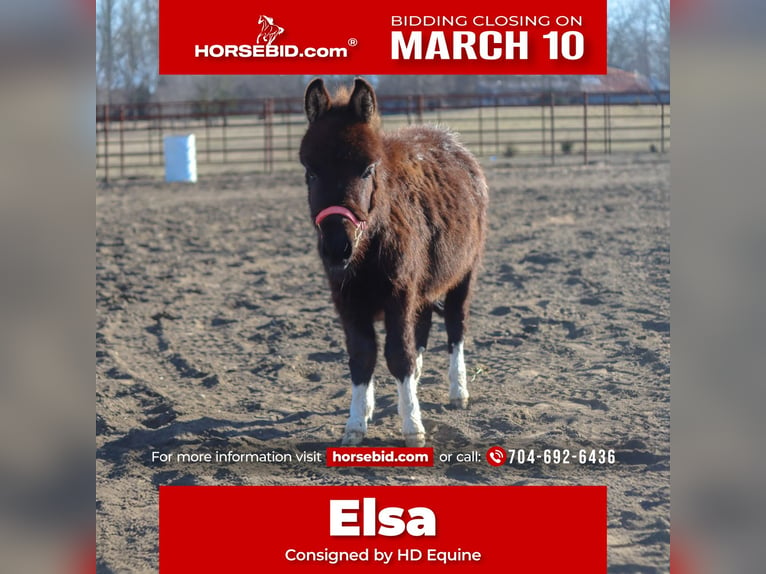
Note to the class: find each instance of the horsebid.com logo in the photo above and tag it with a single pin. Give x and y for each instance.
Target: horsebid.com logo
(269, 30)
(264, 46)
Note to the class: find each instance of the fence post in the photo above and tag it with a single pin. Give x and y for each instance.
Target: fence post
(98, 131)
(553, 129)
(106, 142)
(543, 129)
(268, 134)
(161, 124)
(662, 126)
(481, 130)
(287, 123)
(420, 108)
(497, 126)
(122, 141)
(207, 131)
(585, 125)
(608, 127)
(150, 121)
(409, 106)
(223, 128)
(606, 149)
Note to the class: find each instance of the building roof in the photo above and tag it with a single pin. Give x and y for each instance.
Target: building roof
(616, 80)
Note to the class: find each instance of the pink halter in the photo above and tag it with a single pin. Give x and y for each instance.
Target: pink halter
(343, 211)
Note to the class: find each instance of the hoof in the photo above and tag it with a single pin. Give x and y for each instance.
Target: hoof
(459, 403)
(417, 439)
(352, 438)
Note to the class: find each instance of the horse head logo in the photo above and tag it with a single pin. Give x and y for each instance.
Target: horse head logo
(269, 30)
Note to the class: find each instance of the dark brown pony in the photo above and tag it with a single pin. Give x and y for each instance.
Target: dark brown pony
(401, 221)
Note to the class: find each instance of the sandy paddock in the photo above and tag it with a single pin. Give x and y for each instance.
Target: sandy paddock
(215, 332)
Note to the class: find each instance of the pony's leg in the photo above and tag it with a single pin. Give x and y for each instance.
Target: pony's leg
(362, 350)
(402, 362)
(455, 314)
(422, 330)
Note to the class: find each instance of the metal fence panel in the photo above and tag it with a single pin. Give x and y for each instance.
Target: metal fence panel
(264, 135)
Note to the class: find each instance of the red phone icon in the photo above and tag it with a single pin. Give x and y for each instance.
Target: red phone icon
(496, 456)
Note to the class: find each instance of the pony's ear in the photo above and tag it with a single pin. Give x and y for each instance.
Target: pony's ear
(317, 100)
(363, 101)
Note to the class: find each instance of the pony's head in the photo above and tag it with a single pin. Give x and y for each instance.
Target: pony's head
(340, 151)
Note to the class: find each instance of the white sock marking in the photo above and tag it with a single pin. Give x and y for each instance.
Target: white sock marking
(362, 406)
(409, 408)
(458, 382)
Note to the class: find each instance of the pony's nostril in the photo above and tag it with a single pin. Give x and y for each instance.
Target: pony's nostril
(336, 247)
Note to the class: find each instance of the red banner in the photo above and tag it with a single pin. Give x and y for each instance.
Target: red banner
(380, 456)
(394, 37)
(486, 529)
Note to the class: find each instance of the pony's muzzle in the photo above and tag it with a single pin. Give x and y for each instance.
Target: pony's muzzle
(335, 245)
(339, 234)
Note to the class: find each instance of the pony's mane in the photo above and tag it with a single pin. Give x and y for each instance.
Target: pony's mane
(341, 99)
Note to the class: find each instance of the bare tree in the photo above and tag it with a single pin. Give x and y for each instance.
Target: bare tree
(639, 36)
(661, 10)
(126, 49)
(104, 48)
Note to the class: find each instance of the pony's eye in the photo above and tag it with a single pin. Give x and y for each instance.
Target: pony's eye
(369, 171)
(310, 175)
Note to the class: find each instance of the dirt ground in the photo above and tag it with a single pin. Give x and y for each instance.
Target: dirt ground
(215, 331)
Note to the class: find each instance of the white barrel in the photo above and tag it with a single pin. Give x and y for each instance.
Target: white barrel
(180, 158)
